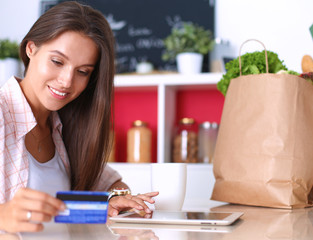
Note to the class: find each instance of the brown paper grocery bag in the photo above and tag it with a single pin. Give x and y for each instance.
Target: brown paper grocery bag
(264, 149)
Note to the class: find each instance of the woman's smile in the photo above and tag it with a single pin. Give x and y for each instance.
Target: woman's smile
(58, 94)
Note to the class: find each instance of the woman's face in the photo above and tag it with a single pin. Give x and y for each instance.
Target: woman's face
(59, 70)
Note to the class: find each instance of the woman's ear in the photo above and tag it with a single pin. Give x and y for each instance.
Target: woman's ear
(31, 48)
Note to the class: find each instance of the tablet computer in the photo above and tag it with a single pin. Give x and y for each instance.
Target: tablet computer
(189, 218)
(117, 227)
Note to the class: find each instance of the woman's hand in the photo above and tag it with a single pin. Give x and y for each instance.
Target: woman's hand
(119, 203)
(27, 210)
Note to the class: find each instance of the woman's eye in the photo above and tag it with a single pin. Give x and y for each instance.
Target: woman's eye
(84, 73)
(56, 62)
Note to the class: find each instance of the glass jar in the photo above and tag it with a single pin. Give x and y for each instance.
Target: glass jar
(185, 143)
(206, 139)
(139, 143)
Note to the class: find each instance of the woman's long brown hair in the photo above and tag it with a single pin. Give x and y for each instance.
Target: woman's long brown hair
(87, 120)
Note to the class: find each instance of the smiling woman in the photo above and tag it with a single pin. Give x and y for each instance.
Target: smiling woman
(55, 122)
(59, 70)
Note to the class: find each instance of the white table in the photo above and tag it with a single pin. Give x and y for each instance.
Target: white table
(257, 223)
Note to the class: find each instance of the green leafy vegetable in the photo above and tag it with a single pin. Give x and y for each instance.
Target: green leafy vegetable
(291, 72)
(251, 63)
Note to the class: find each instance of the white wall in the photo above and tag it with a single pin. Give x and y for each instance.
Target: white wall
(16, 17)
(282, 25)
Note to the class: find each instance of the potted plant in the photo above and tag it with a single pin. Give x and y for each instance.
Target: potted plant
(187, 44)
(9, 59)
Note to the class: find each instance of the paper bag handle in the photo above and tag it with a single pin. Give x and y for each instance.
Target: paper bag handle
(266, 60)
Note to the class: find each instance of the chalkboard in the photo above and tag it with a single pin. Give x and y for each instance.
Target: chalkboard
(140, 26)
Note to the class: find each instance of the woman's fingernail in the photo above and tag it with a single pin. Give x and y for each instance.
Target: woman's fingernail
(140, 207)
(148, 210)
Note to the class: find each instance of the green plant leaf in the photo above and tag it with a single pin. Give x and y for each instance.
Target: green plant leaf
(188, 38)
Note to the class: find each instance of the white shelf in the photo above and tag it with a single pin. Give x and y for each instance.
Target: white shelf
(138, 80)
(166, 86)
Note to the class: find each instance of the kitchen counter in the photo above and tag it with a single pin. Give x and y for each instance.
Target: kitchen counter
(257, 223)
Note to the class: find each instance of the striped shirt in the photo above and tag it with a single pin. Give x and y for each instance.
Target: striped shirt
(16, 120)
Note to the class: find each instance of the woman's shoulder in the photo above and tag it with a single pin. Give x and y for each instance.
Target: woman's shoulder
(7, 90)
(4, 111)
(3, 104)
(11, 101)
(3, 108)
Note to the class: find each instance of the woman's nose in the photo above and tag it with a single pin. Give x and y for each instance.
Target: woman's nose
(66, 78)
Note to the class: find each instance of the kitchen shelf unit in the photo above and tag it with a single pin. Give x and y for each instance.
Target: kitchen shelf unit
(166, 85)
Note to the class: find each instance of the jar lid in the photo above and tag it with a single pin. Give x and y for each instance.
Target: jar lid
(139, 123)
(187, 121)
(205, 125)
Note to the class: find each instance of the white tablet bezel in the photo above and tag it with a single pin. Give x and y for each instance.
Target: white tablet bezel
(116, 226)
(162, 219)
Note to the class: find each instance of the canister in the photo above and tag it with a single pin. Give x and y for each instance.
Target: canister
(185, 143)
(207, 135)
(139, 143)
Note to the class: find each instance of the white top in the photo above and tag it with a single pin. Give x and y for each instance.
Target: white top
(48, 177)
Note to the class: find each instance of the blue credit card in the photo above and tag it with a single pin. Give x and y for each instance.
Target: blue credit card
(83, 207)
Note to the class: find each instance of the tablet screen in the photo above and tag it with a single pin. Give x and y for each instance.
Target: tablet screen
(207, 215)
